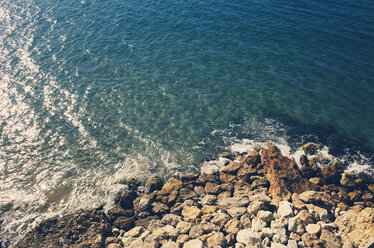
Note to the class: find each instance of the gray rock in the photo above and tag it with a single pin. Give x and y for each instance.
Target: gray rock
(220, 219)
(171, 219)
(255, 206)
(285, 209)
(260, 197)
(331, 240)
(266, 216)
(248, 237)
(216, 240)
(281, 238)
(268, 232)
(208, 200)
(296, 225)
(236, 212)
(196, 231)
(257, 225)
(144, 204)
(229, 202)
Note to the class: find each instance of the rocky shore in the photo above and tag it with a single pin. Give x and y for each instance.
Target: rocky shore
(259, 199)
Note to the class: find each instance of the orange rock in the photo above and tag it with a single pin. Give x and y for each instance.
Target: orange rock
(282, 173)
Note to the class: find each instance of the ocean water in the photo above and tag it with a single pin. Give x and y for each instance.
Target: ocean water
(95, 92)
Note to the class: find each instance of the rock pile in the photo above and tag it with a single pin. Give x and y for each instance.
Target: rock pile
(258, 200)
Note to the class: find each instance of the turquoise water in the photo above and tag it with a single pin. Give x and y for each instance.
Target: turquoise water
(94, 92)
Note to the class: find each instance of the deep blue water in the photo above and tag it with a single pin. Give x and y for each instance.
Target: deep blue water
(95, 91)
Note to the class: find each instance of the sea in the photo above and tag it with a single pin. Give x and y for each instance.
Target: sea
(96, 92)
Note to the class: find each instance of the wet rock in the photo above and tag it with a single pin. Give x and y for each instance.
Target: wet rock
(227, 155)
(87, 228)
(117, 211)
(159, 208)
(282, 173)
(209, 168)
(356, 225)
(347, 179)
(248, 237)
(190, 213)
(126, 200)
(124, 223)
(310, 148)
(172, 184)
(331, 174)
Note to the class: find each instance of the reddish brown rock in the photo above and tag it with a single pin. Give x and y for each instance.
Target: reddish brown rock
(282, 173)
(154, 183)
(331, 174)
(85, 228)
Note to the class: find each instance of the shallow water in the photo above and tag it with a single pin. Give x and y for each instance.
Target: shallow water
(94, 92)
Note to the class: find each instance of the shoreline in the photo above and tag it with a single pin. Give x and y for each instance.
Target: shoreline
(260, 199)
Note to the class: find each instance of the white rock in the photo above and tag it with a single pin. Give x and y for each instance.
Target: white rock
(267, 232)
(292, 244)
(248, 237)
(313, 228)
(195, 243)
(208, 200)
(285, 209)
(257, 225)
(210, 168)
(134, 232)
(170, 244)
(280, 238)
(236, 212)
(277, 245)
(296, 225)
(239, 245)
(266, 216)
(255, 207)
(265, 242)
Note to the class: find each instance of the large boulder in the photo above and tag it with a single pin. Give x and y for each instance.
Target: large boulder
(356, 226)
(282, 173)
(85, 228)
